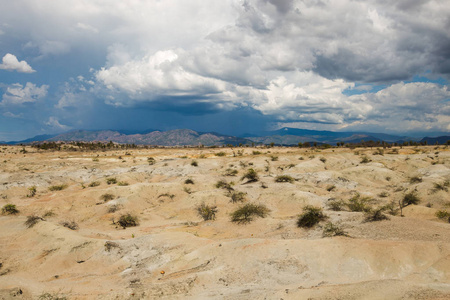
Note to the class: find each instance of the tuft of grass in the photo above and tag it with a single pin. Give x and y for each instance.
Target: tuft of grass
(122, 183)
(251, 176)
(376, 215)
(107, 197)
(336, 205)
(222, 184)
(410, 198)
(273, 158)
(230, 172)
(383, 194)
(48, 296)
(284, 178)
(310, 217)
(32, 220)
(256, 152)
(94, 184)
(128, 220)
(111, 180)
(378, 152)
(359, 204)
(391, 208)
(207, 212)
(323, 159)
(443, 214)
(194, 163)
(331, 188)
(171, 196)
(70, 224)
(365, 160)
(442, 186)
(189, 181)
(9, 209)
(113, 208)
(330, 230)
(237, 196)
(32, 191)
(246, 213)
(151, 160)
(57, 187)
(220, 153)
(415, 179)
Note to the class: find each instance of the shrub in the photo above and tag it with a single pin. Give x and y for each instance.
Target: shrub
(331, 187)
(415, 179)
(410, 199)
(246, 213)
(222, 184)
(48, 296)
(57, 187)
(251, 176)
(442, 214)
(70, 224)
(187, 190)
(171, 196)
(330, 230)
(107, 197)
(383, 194)
(442, 186)
(151, 161)
(256, 152)
(311, 216)
(94, 184)
(323, 159)
(111, 180)
(9, 209)
(220, 154)
(391, 208)
(237, 196)
(378, 152)
(273, 158)
(128, 220)
(122, 183)
(32, 191)
(32, 220)
(230, 172)
(113, 208)
(336, 205)
(360, 204)
(194, 163)
(376, 215)
(207, 212)
(284, 178)
(110, 245)
(189, 181)
(365, 160)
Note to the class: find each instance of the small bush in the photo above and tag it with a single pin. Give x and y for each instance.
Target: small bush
(251, 176)
(273, 158)
(48, 296)
(256, 152)
(187, 190)
(194, 163)
(113, 208)
(383, 194)
(410, 199)
(222, 184)
(32, 191)
(336, 205)
(415, 179)
(111, 245)
(107, 197)
(111, 180)
(379, 152)
(9, 209)
(301, 158)
(95, 159)
(284, 178)
(94, 184)
(122, 183)
(331, 188)
(128, 220)
(323, 159)
(70, 224)
(189, 181)
(246, 213)
(376, 215)
(311, 216)
(442, 214)
(237, 196)
(151, 160)
(392, 208)
(57, 187)
(360, 204)
(207, 212)
(365, 160)
(220, 154)
(330, 230)
(171, 196)
(32, 220)
(230, 172)
(442, 186)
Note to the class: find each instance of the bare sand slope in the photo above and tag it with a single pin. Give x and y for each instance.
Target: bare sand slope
(175, 254)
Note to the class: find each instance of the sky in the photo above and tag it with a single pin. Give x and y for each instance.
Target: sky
(229, 66)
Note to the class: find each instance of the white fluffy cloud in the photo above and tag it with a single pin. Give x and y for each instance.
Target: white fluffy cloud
(11, 63)
(19, 94)
(55, 125)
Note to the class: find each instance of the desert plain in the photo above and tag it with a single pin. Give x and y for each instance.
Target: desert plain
(78, 250)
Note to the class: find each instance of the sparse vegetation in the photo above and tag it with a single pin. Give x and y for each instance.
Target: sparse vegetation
(310, 217)
(376, 215)
(194, 163)
(222, 184)
(323, 159)
(151, 160)
(107, 197)
(359, 204)
(220, 153)
(331, 188)
(122, 183)
(256, 152)
(383, 194)
(111, 180)
(57, 187)
(70, 224)
(94, 184)
(48, 296)
(246, 213)
(273, 158)
(410, 198)
(32, 220)
(113, 208)
(336, 205)
(330, 230)
(9, 209)
(415, 179)
(32, 191)
(251, 176)
(284, 178)
(189, 181)
(207, 212)
(365, 160)
(237, 196)
(230, 172)
(187, 190)
(128, 220)
(443, 214)
(441, 186)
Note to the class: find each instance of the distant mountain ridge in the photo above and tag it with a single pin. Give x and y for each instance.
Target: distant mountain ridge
(187, 137)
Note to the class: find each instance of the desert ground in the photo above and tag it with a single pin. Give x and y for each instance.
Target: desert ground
(174, 253)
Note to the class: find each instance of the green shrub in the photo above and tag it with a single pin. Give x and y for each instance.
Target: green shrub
(273, 158)
(189, 181)
(57, 187)
(376, 215)
(48, 296)
(107, 197)
(237, 196)
(331, 187)
(378, 152)
(284, 178)
(336, 205)
(94, 184)
(360, 204)
(323, 159)
(222, 184)
(311, 216)
(256, 152)
(70, 224)
(442, 214)
(122, 183)
(246, 213)
(32, 220)
(410, 198)
(128, 220)
(207, 212)
(9, 209)
(194, 163)
(113, 208)
(365, 160)
(151, 161)
(330, 230)
(111, 180)
(392, 208)
(251, 176)
(220, 154)
(230, 172)
(32, 191)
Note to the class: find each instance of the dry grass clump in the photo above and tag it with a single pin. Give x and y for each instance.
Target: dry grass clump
(222, 184)
(194, 163)
(336, 205)
(284, 178)
(415, 179)
(94, 184)
(443, 215)
(330, 230)
(111, 180)
(32, 191)
(365, 160)
(359, 204)
(220, 153)
(251, 176)
(107, 197)
(410, 198)
(9, 209)
(189, 181)
(70, 224)
(151, 160)
(207, 212)
(441, 186)
(122, 183)
(311, 216)
(237, 196)
(57, 187)
(230, 172)
(246, 213)
(113, 208)
(376, 215)
(128, 220)
(32, 220)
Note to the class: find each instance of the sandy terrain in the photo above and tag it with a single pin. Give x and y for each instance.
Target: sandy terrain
(175, 254)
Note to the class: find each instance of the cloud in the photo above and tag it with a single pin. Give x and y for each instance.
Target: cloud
(55, 125)
(11, 63)
(19, 94)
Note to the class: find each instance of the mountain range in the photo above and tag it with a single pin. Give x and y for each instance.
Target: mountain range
(186, 137)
